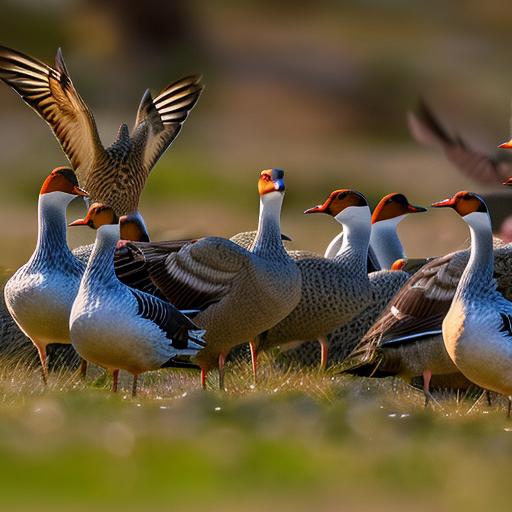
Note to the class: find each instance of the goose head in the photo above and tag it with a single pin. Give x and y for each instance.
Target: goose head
(271, 183)
(97, 216)
(345, 205)
(470, 206)
(131, 226)
(61, 182)
(392, 209)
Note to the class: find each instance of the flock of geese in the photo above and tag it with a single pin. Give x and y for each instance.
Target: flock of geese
(128, 303)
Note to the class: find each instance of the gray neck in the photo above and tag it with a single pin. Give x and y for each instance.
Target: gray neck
(385, 243)
(51, 234)
(356, 221)
(100, 268)
(267, 243)
(477, 278)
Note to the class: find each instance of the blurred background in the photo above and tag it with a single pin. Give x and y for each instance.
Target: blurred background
(319, 89)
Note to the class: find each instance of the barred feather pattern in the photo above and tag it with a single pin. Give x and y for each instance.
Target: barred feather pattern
(114, 176)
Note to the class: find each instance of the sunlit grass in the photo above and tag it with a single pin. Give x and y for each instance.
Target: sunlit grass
(299, 439)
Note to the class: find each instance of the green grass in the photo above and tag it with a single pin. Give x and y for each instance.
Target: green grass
(298, 440)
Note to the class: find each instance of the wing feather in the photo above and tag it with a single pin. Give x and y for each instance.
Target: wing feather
(50, 92)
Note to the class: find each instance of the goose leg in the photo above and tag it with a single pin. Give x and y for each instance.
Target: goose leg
(254, 360)
(115, 379)
(204, 373)
(41, 349)
(427, 375)
(222, 360)
(83, 368)
(489, 398)
(509, 408)
(134, 385)
(324, 349)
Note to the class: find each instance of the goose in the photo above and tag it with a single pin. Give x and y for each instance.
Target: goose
(333, 290)
(385, 248)
(116, 175)
(241, 293)
(119, 327)
(40, 294)
(406, 340)
(384, 240)
(477, 330)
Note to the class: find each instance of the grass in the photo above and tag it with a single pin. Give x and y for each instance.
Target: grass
(300, 439)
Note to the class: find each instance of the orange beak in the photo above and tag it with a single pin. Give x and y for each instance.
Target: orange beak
(445, 203)
(80, 222)
(321, 208)
(80, 192)
(508, 182)
(415, 209)
(506, 145)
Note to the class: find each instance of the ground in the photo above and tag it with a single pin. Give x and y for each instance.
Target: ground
(300, 439)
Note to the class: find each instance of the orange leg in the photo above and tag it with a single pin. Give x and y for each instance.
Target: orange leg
(83, 368)
(222, 360)
(44, 363)
(204, 373)
(115, 379)
(254, 359)
(134, 386)
(324, 349)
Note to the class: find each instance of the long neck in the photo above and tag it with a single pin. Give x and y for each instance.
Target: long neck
(356, 236)
(268, 243)
(477, 278)
(51, 234)
(385, 243)
(100, 268)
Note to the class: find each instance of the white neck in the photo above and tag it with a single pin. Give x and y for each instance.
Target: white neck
(477, 278)
(385, 242)
(356, 222)
(100, 267)
(334, 246)
(267, 242)
(51, 234)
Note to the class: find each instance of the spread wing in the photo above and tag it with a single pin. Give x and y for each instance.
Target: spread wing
(160, 120)
(52, 95)
(483, 168)
(200, 274)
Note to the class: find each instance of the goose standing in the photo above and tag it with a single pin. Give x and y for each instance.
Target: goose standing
(118, 327)
(240, 292)
(116, 175)
(333, 290)
(385, 248)
(477, 329)
(40, 294)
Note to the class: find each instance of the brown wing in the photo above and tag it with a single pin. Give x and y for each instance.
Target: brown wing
(160, 120)
(132, 260)
(52, 95)
(483, 168)
(418, 309)
(200, 274)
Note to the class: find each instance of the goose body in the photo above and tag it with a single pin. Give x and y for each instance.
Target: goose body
(240, 293)
(40, 294)
(477, 329)
(352, 295)
(119, 327)
(116, 175)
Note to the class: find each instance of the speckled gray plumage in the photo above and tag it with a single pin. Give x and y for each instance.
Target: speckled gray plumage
(384, 285)
(409, 359)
